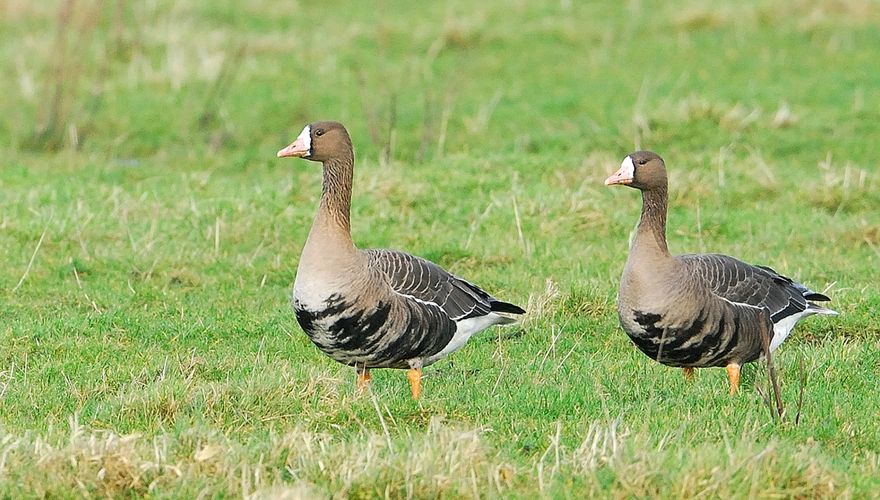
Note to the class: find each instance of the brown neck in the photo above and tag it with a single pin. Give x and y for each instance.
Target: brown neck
(651, 232)
(336, 193)
(331, 231)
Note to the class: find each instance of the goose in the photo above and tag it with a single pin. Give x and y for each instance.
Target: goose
(699, 310)
(376, 308)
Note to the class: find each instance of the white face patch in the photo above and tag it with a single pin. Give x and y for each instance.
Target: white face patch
(627, 169)
(305, 138)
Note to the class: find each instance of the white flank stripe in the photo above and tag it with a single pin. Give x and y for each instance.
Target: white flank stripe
(465, 329)
(783, 327)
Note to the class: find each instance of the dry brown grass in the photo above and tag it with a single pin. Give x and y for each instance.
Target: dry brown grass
(842, 187)
(441, 461)
(444, 460)
(807, 15)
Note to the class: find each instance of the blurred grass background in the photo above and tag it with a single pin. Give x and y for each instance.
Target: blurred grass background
(151, 237)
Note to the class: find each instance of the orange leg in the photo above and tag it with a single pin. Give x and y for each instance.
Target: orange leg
(415, 381)
(363, 378)
(733, 376)
(688, 373)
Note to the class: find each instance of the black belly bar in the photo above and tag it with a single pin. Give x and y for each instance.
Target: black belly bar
(718, 344)
(371, 337)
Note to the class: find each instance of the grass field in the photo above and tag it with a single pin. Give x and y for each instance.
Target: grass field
(150, 238)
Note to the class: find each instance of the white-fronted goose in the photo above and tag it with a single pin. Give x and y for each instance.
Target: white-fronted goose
(376, 308)
(696, 311)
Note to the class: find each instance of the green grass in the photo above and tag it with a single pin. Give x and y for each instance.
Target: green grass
(150, 240)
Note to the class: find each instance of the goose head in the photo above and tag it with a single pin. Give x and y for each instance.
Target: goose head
(320, 141)
(643, 170)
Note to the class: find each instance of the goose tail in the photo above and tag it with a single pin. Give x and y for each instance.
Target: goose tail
(505, 307)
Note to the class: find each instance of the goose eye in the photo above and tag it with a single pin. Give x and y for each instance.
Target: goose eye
(643, 161)
(319, 132)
